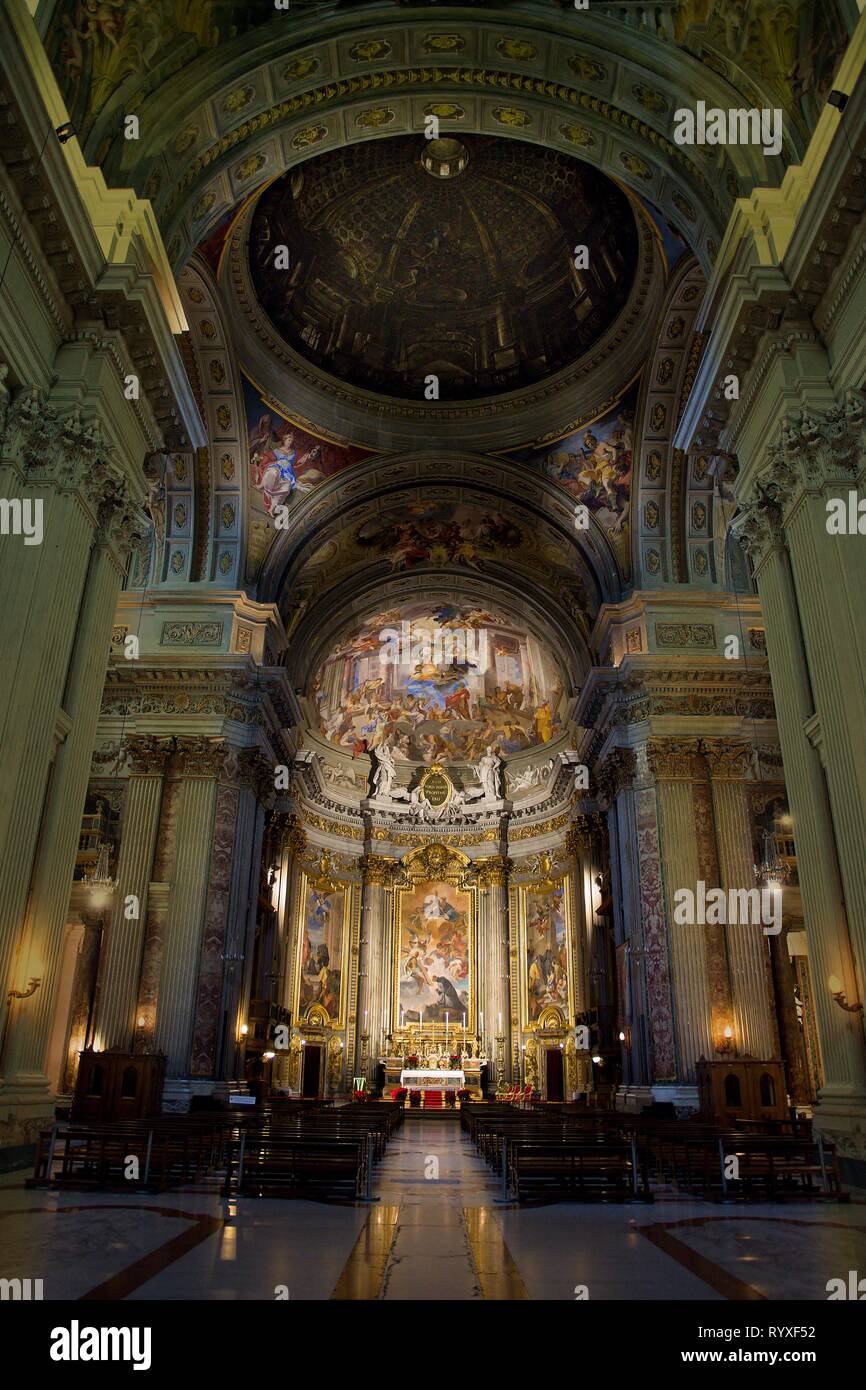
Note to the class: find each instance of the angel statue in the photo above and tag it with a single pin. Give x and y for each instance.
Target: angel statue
(385, 773)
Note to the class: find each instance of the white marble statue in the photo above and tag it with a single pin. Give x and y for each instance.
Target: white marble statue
(385, 773)
(488, 773)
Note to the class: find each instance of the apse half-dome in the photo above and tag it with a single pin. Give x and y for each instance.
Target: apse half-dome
(439, 683)
(395, 272)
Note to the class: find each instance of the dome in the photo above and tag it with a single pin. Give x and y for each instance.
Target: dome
(409, 258)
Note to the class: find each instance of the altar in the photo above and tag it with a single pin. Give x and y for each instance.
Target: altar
(432, 1080)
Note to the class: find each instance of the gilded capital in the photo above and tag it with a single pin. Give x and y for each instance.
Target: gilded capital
(728, 761)
(148, 755)
(200, 757)
(585, 833)
(617, 771)
(379, 870)
(290, 831)
(676, 760)
(493, 871)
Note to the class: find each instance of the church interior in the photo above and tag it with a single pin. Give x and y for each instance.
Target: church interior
(433, 847)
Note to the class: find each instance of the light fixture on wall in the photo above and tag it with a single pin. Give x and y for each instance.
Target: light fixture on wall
(727, 1043)
(244, 1029)
(838, 995)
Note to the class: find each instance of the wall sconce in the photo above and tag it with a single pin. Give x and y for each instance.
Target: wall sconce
(268, 1056)
(727, 1043)
(32, 987)
(599, 1060)
(838, 995)
(244, 1030)
(140, 1021)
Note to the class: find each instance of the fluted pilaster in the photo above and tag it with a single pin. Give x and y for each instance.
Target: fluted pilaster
(122, 952)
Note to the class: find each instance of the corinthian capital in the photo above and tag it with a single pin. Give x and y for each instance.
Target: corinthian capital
(727, 761)
(758, 526)
(200, 757)
(617, 771)
(675, 760)
(584, 833)
(148, 755)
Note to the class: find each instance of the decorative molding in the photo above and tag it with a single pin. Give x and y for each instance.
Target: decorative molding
(676, 760)
(191, 635)
(686, 635)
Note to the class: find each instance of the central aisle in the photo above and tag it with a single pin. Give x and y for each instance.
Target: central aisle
(436, 1196)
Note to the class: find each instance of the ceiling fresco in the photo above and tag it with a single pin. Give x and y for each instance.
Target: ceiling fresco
(488, 539)
(439, 683)
(396, 273)
(285, 462)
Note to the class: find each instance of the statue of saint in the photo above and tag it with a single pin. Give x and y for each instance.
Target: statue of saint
(488, 773)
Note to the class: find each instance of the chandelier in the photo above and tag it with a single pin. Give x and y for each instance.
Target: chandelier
(100, 881)
(772, 871)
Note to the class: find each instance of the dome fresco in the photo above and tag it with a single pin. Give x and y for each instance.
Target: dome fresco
(439, 683)
(396, 272)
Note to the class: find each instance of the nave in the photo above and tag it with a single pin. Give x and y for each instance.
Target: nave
(445, 1237)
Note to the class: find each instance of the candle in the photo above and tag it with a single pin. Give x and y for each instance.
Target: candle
(500, 1023)
(482, 1022)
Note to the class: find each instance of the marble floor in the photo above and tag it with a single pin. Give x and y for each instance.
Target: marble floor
(437, 1231)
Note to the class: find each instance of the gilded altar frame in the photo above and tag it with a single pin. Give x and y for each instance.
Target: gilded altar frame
(553, 1018)
(350, 893)
(435, 863)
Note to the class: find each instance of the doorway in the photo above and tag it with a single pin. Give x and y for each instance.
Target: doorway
(312, 1070)
(553, 1074)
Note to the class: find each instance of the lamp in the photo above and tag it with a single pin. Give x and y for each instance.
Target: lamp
(838, 995)
(727, 1039)
(771, 871)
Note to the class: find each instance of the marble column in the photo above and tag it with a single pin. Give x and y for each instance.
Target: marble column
(81, 1011)
(60, 822)
(843, 1095)
(497, 956)
(728, 762)
(201, 761)
(373, 975)
(293, 846)
(121, 960)
(627, 790)
(52, 593)
(701, 983)
(790, 1033)
(584, 843)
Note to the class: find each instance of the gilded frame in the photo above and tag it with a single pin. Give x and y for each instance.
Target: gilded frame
(432, 864)
(350, 893)
(523, 891)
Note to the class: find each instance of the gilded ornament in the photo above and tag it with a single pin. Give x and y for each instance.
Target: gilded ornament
(519, 49)
(578, 135)
(635, 165)
(238, 99)
(512, 116)
(310, 135)
(301, 67)
(652, 100)
(586, 68)
(375, 117)
(443, 43)
(370, 51)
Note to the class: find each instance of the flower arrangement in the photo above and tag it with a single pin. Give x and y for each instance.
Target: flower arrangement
(454, 1059)
(412, 1059)
(464, 1093)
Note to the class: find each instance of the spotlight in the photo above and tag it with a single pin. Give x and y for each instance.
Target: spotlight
(838, 99)
(66, 131)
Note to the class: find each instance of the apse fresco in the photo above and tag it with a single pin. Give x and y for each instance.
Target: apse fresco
(285, 459)
(594, 464)
(546, 953)
(321, 973)
(451, 681)
(433, 957)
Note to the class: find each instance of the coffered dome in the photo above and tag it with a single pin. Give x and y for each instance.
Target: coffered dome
(397, 271)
